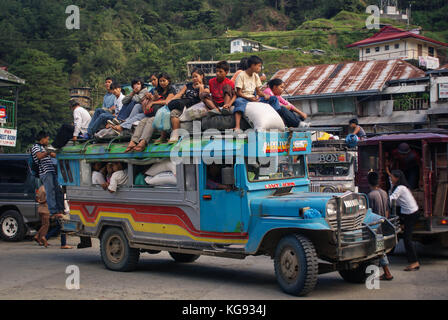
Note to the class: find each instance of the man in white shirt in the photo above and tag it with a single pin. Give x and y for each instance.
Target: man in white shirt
(97, 175)
(118, 102)
(119, 177)
(81, 119)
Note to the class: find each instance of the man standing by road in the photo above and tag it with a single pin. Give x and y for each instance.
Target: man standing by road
(47, 174)
(379, 203)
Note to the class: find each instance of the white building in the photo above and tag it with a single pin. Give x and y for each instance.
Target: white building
(244, 45)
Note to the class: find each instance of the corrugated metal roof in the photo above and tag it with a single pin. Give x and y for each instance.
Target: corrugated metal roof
(9, 78)
(345, 78)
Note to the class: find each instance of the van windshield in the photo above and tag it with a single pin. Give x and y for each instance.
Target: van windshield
(328, 169)
(275, 168)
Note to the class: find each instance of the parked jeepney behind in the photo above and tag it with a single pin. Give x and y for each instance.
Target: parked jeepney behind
(332, 165)
(264, 208)
(430, 187)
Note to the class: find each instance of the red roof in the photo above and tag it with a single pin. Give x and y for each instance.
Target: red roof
(389, 33)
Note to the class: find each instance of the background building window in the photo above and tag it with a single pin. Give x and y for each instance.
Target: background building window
(431, 51)
(377, 49)
(368, 50)
(386, 47)
(397, 46)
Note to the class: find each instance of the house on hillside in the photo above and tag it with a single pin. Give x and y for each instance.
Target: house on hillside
(209, 67)
(395, 43)
(385, 95)
(247, 45)
(438, 112)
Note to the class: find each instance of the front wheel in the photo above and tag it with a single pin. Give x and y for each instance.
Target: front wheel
(184, 257)
(12, 227)
(115, 251)
(296, 265)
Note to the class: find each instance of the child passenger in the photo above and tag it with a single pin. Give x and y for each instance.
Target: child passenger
(119, 177)
(163, 94)
(289, 113)
(248, 89)
(188, 96)
(222, 90)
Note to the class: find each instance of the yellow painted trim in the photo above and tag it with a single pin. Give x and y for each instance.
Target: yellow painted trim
(158, 228)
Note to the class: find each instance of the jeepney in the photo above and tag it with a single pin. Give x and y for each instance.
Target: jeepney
(332, 166)
(266, 208)
(431, 194)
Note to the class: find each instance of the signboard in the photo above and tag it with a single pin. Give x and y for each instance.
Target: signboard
(8, 137)
(443, 90)
(429, 62)
(328, 158)
(3, 115)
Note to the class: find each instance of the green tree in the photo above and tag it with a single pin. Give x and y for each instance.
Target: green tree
(43, 99)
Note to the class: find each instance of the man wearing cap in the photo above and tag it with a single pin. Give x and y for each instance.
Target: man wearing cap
(409, 161)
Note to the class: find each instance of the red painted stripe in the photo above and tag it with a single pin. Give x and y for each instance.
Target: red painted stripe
(152, 214)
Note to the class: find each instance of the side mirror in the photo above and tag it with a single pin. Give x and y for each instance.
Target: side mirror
(228, 176)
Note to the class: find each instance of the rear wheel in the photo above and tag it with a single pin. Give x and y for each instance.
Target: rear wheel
(357, 275)
(184, 257)
(12, 227)
(115, 251)
(296, 265)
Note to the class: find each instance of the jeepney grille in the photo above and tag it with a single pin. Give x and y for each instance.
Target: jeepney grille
(348, 223)
(352, 216)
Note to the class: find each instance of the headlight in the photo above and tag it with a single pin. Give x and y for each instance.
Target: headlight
(331, 207)
(362, 203)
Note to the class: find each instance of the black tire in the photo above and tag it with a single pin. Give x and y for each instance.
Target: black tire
(12, 227)
(184, 257)
(357, 275)
(116, 253)
(295, 264)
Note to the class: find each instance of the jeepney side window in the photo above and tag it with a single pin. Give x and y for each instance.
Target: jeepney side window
(143, 177)
(369, 158)
(190, 177)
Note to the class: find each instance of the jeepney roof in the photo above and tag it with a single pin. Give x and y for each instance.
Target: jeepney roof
(429, 136)
(266, 144)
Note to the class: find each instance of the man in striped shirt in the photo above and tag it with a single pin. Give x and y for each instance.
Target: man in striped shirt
(47, 174)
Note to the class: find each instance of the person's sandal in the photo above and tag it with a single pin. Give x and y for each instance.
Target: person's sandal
(44, 242)
(408, 268)
(130, 147)
(140, 147)
(37, 240)
(383, 277)
(66, 247)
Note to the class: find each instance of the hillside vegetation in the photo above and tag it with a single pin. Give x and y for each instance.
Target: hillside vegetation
(135, 38)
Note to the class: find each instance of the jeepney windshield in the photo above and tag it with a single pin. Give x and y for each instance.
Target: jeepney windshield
(275, 168)
(328, 169)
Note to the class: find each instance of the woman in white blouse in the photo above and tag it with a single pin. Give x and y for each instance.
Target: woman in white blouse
(408, 214)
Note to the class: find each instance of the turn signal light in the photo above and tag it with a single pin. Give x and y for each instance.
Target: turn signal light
(444, 222)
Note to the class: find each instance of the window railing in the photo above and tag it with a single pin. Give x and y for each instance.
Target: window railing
(411, 104)
(404, 54)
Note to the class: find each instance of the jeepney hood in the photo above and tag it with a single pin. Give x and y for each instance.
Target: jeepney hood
(289, 205)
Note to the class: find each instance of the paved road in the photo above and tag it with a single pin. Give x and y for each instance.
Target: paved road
(28, 271)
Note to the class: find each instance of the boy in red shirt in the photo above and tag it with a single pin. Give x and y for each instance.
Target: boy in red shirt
(222, 90)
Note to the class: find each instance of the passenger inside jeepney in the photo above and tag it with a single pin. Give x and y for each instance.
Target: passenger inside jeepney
(214, 178)
(409, 161)
(119, 177)
(98, 173)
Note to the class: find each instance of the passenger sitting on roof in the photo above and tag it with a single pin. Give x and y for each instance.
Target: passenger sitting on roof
(132, 109)
(248, 83)
(162, 96)
(119, 177)
(289, 113)
(356, 129)
(222, 90)
(188, 96)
